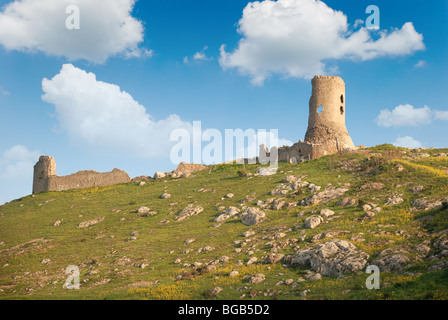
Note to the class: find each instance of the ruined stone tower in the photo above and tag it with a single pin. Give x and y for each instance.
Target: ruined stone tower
(326, 132)
(43, 170)
(326, 120)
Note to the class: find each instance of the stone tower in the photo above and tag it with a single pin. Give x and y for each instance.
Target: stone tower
(43, 170)
(326, 122)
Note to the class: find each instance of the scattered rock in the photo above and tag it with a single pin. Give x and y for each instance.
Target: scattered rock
(441, 265)
(252, 216)
(422, 249)
(248, 199)
(416, 189)
(159, 175)
(325, 196)
(215, 291)
(165, 196)
(185, 170)
(189, 241)
(143, 210)
(394, 200)
(232, 211)
(248, 233)
(332, 258)
(429, 204)
(273, 258)
(89, 223)
(189, 211)
(313, 222)
(326, 213)
(373, 186)
(392, 259)
(258, 278)
(57, 223)
(347, 202)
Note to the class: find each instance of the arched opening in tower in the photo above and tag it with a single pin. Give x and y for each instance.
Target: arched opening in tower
(342, 98)
(342, 110)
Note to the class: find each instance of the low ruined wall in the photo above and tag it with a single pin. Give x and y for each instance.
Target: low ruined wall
(45, 178)
(87, 179)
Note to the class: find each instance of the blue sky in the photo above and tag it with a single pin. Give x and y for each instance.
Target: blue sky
(169, 58)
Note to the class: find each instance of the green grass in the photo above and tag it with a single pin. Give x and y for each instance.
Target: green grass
(99, 249)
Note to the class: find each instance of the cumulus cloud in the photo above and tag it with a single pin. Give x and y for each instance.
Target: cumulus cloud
(16, 172)
(295, 37)
(407, 115)
(404, 115)
(407, 142)
(102, 116)
(106, 29)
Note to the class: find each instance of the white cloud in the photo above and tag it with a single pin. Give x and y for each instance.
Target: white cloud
(106, 29)
(407, 142)
(420, 64)
(102, 116)
(16, 172)
(201, 55)
(404, 115)
(407, 115)
(19, 153)
(441, 115)
(357, 23)
(198, 56)
(294, 37)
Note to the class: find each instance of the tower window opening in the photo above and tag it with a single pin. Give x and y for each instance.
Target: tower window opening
(342, 98)
(342, 110)
(320, 109)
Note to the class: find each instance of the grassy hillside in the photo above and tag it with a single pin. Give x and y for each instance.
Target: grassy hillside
(132, 256)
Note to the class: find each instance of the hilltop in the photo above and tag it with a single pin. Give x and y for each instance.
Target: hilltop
(319, 224)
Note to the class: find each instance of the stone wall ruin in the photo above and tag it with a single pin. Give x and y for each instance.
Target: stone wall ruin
(46, 179)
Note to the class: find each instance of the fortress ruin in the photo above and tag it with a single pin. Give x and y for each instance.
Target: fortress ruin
(326, 132)
(45, 178)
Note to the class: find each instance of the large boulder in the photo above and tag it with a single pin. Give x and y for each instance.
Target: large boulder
(188, 211)
(232, 211)
(429, 204)
(332, 258)
(313, 222)
(392, 259)
(252, 216)
(186, 169)
(159, 175)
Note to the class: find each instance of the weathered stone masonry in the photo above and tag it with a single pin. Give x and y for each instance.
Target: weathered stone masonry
(45, 178)
(327, 133)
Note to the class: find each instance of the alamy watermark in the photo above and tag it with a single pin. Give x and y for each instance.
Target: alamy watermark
(373, 281)
(236, 144)
(72, 281)
(373, 21)
(73, 21)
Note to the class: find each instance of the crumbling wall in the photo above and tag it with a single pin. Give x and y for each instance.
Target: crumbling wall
(45, 178)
